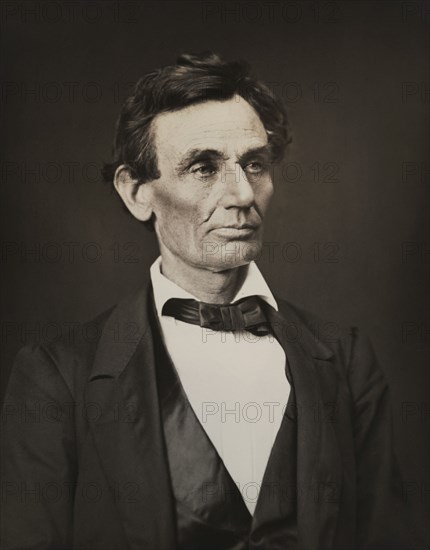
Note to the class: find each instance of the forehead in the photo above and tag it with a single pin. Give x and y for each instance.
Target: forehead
(231, 125)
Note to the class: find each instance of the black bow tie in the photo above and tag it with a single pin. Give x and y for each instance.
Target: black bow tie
(246, 314)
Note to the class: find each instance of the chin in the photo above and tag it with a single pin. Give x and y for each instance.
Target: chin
(219, 256)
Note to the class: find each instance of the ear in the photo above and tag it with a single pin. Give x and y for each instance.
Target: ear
(136, 197)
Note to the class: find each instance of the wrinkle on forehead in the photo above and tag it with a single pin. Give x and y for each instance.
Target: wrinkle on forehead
(220, 132)
(218, 125)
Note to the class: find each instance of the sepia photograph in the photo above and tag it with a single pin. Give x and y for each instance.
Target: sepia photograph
(215, 265)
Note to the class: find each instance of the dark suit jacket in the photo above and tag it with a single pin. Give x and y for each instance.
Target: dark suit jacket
(85, 466)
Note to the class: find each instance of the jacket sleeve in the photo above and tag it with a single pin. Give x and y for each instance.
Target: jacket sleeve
(38, 456)
(383, 522)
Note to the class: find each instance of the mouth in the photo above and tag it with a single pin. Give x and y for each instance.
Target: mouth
(242, 226)
(237, 231)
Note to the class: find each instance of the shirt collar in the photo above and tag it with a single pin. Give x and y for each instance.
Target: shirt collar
(164, 289)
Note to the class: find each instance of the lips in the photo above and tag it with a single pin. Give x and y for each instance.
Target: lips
(242, 231)
(244, 226)
(238, 226)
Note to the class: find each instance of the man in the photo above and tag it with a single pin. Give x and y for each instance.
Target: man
(213, 428)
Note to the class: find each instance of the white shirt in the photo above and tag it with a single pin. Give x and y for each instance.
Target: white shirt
(234, 381)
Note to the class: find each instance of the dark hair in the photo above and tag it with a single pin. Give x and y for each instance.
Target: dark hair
(194, 79)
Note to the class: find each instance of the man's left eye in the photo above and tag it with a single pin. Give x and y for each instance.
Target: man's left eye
(254, 167)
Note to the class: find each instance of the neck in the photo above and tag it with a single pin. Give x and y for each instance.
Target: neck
(213, 287)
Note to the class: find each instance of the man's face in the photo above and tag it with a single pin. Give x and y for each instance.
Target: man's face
(215, 184)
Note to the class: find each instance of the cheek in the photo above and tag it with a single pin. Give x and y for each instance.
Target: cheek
(175, 213)
(264, 193)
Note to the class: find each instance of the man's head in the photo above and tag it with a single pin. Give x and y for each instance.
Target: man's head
(193, 151)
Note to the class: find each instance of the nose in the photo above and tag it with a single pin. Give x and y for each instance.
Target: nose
(238, 192)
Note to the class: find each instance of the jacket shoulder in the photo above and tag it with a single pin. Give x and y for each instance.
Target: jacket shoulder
(70, 356)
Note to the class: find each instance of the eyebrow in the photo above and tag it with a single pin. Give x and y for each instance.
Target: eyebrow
(264, 152)
(199, 155)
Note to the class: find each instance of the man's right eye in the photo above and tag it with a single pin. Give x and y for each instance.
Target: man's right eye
(204, 170)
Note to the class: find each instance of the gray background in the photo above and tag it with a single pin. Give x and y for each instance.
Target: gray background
(348, 225)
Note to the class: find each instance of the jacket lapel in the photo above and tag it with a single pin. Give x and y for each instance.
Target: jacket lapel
(128, 431)
(318, 459)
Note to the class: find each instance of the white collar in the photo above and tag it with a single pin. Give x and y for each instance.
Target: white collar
(164, 289)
